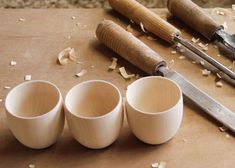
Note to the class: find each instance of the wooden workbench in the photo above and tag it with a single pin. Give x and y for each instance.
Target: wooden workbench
(34, 45)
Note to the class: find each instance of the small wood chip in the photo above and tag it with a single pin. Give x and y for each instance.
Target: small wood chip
(173, 52)
(182, 57)
(154, 165)
(215, 46)
(194, 40)
(171, 63)
(79, 62)
(218, 75)
(194, 62)
(1, 100)
(32, 166)
(218, 55)
(142, 27)
(219, 84)
(137, 76)
(22, 19)
(129, 29)
(162, 165)
(124, 74)
(233, 7)
(13, 63)
(113, 64)
(27, 77)
(225, 25)
(81, 73)
(220, 13)
(206, 72)
(132, 21)
(202, 62)
(65, 55)
(151, 38)
(92, 66)
(223, 129)
(227, 136)
(7, 87)
(73, 17)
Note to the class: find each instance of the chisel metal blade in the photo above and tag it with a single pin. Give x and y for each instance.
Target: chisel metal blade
(201, 99)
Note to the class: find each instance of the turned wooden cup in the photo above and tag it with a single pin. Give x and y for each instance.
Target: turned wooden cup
(34, 113)
(94, 113)
(154, 109)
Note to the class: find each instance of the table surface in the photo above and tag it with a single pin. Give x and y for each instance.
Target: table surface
(35, 43)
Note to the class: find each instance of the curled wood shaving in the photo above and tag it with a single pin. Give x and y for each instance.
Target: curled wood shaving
(220, 13)
(7, 87)
(27, 77)
(65, 55)
(223, 129)
(162, 164)
(218, 75)
(124, 74)
(219, 84)
(182, 57)
(154, 165)
(194, 40)
(114, 64)
(233, 7)
(129, 29)
(13, 63)
(173, 52)
(142, 27)
(206, 72)
(81, 73)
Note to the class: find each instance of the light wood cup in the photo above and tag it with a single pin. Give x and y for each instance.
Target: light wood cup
(34, 113)
(94, 113)
(154, 109)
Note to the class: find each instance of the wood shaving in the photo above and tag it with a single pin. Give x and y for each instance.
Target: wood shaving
(79, 62)
(92, 66)
(194, 62)
(202, 62)
(182, 57)
(113, 64)
(203, 46)
(124, 74)
(142, 27)
(32, 166)
(215, 46)
(132, 21)
(171, 63)
(179, 45)
(223, 129)
(219, 84)
(154, 165)
(218, 55)
(182, 50)
(78, 24)
(162, 164)
(7, 87)
(137, 76)
(129, 29)
(65, 55)
(173, 52)
(194, 40)
(81, 73)
(233, 7)
(220, 13)
(151, 38)
(225, 25)
(13, 63)
(227, 136)
(73, 17)
(27, 77)
(218, 75)
(1, 100)
(206, 72)
(22, 19)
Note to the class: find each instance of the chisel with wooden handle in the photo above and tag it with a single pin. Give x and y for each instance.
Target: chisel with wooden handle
(156, 25)
(143, 57)
(199, 20)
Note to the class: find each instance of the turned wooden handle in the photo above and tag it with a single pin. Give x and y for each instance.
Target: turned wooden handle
(129, 47)
(151, 21)
(194, 16)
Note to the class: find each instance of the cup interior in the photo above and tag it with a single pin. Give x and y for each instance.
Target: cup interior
(31, 99)
(153, 94)
(92, 98)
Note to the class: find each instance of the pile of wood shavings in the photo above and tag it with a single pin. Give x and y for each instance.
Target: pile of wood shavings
(65, 55)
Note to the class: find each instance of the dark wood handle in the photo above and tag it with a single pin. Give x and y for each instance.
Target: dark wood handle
(194, 16)
(151, 21)
(128, 46)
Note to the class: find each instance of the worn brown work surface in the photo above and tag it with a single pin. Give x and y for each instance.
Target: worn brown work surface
(35, 43)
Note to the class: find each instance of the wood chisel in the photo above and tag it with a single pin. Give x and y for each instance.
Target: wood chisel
(156, 25)
(199, 20)
(143, 57)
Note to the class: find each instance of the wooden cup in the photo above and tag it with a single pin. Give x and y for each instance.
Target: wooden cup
(34, 113)
(94, 113)
(154, 109)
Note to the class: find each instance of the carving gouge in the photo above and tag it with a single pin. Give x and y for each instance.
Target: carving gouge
(199, 20)
(143, 57)
(153, 23)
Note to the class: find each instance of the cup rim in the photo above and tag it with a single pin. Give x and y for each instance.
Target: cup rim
(101, 116)
(27, 82)
(160, 112)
